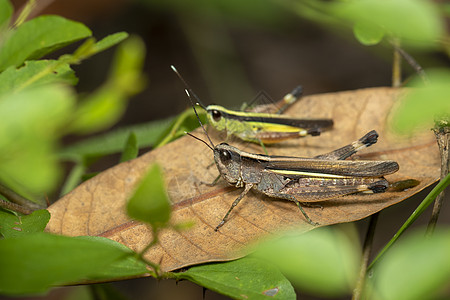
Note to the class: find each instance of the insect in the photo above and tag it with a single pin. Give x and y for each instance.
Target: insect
(262, 127)
(297, 179)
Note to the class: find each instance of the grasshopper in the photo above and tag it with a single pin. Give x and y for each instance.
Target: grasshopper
(262, 127)
(297, 179)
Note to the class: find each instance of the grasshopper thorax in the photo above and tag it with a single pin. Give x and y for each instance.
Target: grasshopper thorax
(228, 162)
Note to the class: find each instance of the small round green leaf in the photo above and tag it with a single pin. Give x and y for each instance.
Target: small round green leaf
(368, 34)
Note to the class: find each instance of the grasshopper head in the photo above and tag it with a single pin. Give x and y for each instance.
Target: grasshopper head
(216, 116)
(228, 162)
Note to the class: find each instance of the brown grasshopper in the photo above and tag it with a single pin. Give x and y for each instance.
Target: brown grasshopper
(298, 179)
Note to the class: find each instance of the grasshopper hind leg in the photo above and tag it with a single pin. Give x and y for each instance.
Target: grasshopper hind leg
(367, 140)
(299, 205)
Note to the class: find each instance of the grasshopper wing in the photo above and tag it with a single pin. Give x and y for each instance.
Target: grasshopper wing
(319, 168)
(310, 180)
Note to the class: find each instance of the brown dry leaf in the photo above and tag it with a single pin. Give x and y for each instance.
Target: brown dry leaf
(97, 207)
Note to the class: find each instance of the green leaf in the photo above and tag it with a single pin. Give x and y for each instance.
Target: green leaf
(15, 226)
(151, 134)
(131, 148)
(35, 73)
(110, 41)
(32, 120)
(6, 11)
(417, 268)
(126, 267)
(74, 178)
(40, 36)
(99, 111)
(323, 262)
(417, 22)
(90, 47)
(423, 103)
(368, 35)
(150, 202)
(129, 61)
(246, 278)
(35, 262)
(147, 135)
(104, 107)
(50, 71)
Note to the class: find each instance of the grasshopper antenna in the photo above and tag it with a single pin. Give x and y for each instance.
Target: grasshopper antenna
(199, 139)
(201, 124)
(187, 87)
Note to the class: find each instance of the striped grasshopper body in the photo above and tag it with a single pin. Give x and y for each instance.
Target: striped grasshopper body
(264, 127)
(263, 124)
(304, 180)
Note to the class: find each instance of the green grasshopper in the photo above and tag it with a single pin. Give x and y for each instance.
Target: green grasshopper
(262, 127)
(297, 179)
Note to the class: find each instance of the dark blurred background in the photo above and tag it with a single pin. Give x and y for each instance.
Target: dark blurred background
(229, 51)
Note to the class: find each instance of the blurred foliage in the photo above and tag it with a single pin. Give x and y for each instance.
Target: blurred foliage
(417, 268)
(61, 260)
(424, 103)
(103, 108)
(322, 262)
(417, 23)
(39, 107)
(131, 148)
(32, 122)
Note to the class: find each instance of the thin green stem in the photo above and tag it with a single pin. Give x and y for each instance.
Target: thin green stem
(175, 128)
(412, 62)
(156, 268)
(396, 64)
(25, 12)
(419, 210)
(367, 249)
(443, 140)
(74, 177)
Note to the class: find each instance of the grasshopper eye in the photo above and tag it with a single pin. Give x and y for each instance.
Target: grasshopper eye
(225, 156)
(217, 115)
